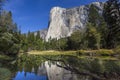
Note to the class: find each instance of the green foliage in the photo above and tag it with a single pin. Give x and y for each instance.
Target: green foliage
(96, 66)
(75, 40)
(117, 50)
(112, 66)
(97, 21)
(93, 15)
(31, 41)
(93, 37)
(5, 74)
(80, 52)
(9, 36)
(111, 14)
(103, 52)
(62, 44)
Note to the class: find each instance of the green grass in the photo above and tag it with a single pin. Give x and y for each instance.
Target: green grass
(102, 53)
(52, 52)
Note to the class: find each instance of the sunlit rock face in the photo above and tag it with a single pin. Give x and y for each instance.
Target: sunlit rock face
(63, 22)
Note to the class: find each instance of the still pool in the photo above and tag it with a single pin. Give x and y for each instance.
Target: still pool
(60, 68)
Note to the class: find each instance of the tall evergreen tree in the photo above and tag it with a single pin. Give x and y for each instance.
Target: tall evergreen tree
(112, 17)
(93, 37)
(75, 40)
(9, 37)
(93, 16)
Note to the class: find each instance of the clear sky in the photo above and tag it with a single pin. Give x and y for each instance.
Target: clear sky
(33, 15)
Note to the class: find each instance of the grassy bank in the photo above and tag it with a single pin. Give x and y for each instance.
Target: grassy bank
(52, 52)
(102, 53)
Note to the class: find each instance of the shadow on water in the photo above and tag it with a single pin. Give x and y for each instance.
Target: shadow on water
(34, 67)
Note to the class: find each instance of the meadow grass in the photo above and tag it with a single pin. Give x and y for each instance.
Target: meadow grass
(52, 52)
(101, 52)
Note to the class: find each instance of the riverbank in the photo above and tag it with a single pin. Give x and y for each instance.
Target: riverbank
(102, 53)
(52, 52)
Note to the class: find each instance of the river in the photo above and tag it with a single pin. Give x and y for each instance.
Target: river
(61, 68)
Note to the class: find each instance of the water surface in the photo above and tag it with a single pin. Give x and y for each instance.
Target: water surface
(62, 68)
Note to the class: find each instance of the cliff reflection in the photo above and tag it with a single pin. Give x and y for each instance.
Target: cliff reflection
(90, 68)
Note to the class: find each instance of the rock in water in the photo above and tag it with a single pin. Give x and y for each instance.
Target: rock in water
(63, 22)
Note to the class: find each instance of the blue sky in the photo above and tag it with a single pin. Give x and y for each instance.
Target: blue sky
(33, 15)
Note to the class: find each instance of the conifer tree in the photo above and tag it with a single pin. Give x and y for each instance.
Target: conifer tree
(111, 14)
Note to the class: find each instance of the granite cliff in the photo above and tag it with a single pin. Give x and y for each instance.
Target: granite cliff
(63, 22)
(42, 33)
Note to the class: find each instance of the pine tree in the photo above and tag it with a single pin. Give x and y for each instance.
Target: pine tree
(9, 37)
(93, 37)
(93, 16)
(111, 14)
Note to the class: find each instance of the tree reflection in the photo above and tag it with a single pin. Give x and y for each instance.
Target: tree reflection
(96, 69)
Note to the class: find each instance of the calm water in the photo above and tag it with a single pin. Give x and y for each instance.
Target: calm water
(46, 71)
(60, 68)
(29, 76)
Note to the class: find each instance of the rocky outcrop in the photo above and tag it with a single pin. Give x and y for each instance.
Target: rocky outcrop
(42, 33)
(63, 22)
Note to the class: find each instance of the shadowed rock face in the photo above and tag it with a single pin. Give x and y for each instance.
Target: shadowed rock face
(63, 22)
(43, 33)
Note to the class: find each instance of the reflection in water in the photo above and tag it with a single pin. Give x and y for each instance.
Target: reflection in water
(46, 71)
(29, 76)
(65, 68)
(31, 73)
(83, 69)
(56, 73)
(5, 74)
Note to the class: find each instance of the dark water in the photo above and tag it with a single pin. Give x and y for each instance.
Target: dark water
(60, 68)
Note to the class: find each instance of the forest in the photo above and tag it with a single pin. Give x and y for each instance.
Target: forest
(102, 32)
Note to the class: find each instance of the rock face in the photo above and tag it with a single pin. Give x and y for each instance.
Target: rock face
(63, 22)
(43, 33)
